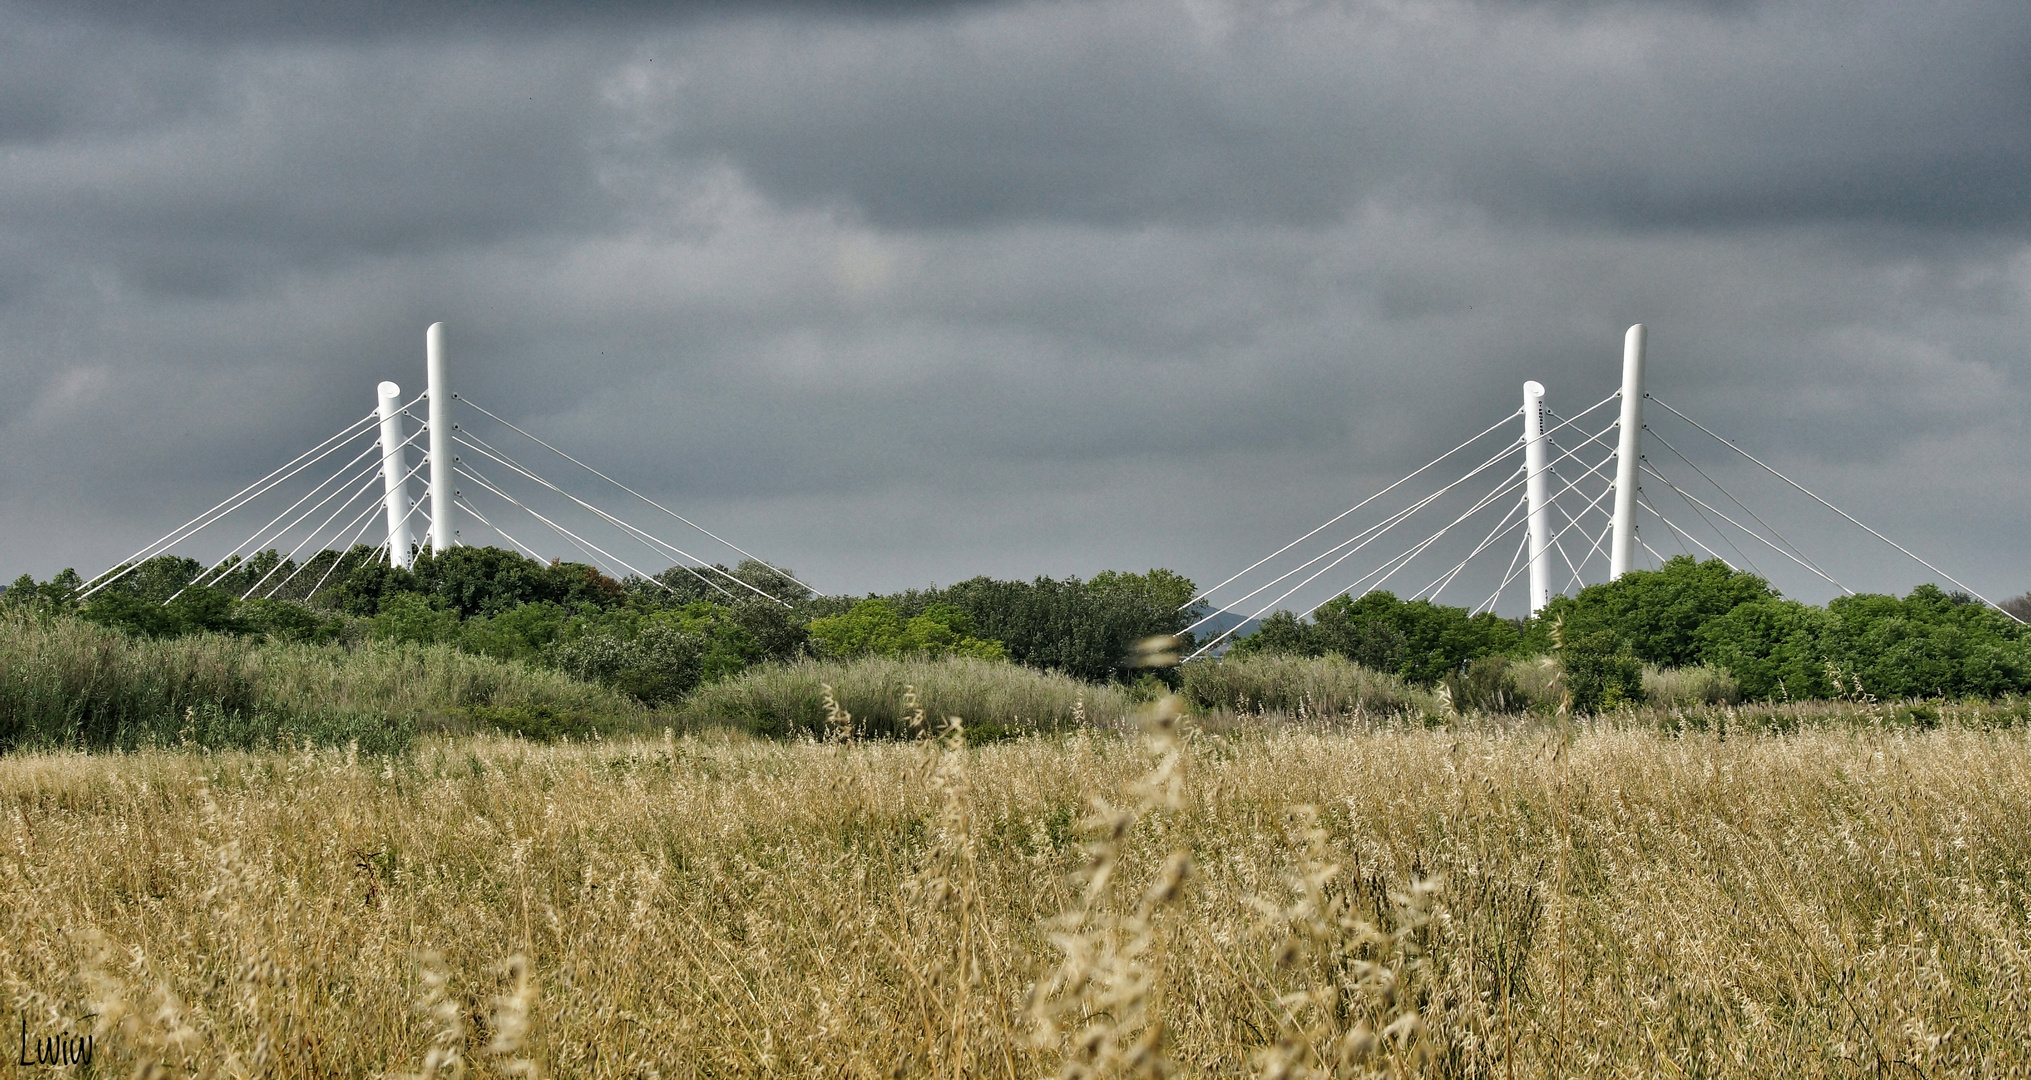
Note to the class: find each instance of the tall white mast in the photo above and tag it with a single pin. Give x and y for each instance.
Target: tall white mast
(1628, 455)
(1533, 489)
(394, 473)
(443, 534)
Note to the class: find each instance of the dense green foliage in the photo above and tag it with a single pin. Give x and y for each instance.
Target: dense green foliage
(1085, 629)
(1416, 640)
(876, 628)
(1687, 613)
(660, 640)
(656, 639)
(70, 683)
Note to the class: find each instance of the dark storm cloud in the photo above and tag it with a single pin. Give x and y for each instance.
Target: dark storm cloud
(1649, 115)
(915, 291)
(255, 20)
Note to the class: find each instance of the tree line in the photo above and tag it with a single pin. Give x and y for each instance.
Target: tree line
(659, 638)
(656, 638)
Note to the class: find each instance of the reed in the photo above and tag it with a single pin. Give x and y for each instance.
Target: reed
(70, 683)
(998, 699)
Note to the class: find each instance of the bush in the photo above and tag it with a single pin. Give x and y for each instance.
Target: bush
(1324, 686)
(659, 664)
(1598, 671)
(875, 628)
(1418, 640)
(1088, 629)
(993, 699)
(1539, 682)
(1485, 685)
(71, 683)
(1701, 684)
(1659, 613)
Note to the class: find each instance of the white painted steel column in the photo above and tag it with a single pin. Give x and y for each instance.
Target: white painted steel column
(442, 533)
(394, 473)
(1533, 489)
(1628, 455)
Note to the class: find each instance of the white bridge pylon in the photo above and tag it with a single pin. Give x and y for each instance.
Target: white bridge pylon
(1566, 475)
(331, 522)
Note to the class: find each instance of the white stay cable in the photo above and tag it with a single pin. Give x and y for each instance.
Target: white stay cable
(1372, 532)
(238, 499)
(1554, 542)
(1592, 550)
(481, 518)
(1359, 540)
(1837, 510)
(553, 526)
(569, 537)
(1757, 535)
(1489, 604)
(374, 556)
(1676, 531)
(372, 475)
(1718, 531)
(1338, 517)
(1514, 480)
(1731, 498)
(642, 497)
(1570, 518)
(1438, 584)
(252, 543)
(648, 539)
(1486, 502)
(568, 534)
(363, 519)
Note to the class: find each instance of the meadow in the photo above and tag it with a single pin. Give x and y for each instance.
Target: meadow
(1220, 894)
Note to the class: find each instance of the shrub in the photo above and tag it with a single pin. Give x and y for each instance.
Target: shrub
(659, 664)
(1485, 685)
(410, 618)
(1325, 686)
(875, 628)
(1598, 671)
(992, 698)
(1418, 640)
(72, 683)
(1659, 613)
(1086, 629)
(1701, 684)
(1539, 682)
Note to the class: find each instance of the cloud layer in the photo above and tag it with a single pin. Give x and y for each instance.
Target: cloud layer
(903, 293)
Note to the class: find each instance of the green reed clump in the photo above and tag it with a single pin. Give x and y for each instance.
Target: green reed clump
(1326, 687)
(995, 698)
(68, 683)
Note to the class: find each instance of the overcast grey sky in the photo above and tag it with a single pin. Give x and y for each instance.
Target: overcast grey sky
(901, 293)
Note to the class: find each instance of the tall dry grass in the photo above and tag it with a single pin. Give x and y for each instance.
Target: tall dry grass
(788, 700)
(1586, 900)
(1331, 687)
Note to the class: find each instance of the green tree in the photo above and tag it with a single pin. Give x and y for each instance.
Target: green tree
(411, 617)
(1659, 613)
(876, 628)
(1421, 641)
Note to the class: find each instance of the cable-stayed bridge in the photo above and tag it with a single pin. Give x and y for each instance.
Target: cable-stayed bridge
(478, 476)
(1537, 502)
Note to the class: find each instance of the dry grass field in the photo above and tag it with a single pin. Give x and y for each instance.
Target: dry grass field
(1578, 901)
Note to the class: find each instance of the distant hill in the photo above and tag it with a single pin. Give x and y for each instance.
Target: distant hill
(1213, 627)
